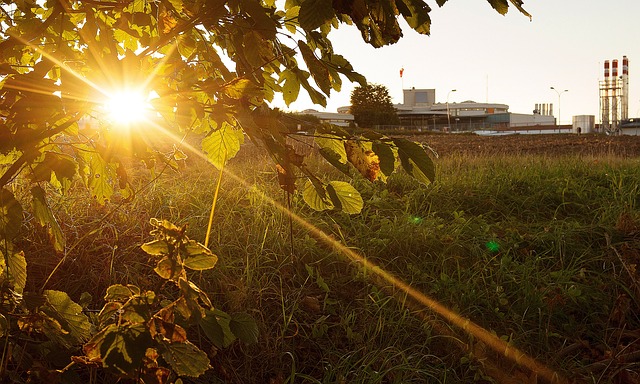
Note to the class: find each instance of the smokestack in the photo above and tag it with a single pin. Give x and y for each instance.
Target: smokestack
(606, 70)
(624, 112)
(614, 96)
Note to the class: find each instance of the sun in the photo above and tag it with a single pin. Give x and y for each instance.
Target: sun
(126, 107)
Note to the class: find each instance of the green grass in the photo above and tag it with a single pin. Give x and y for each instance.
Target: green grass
(539, 251)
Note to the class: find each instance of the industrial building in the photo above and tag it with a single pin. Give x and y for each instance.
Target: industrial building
(419, 110)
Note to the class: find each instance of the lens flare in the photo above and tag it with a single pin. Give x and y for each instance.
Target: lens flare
(492, 246)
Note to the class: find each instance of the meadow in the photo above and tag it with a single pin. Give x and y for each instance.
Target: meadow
(539, 250)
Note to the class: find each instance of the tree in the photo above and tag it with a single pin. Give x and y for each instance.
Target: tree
(371, 105)
(207, 67)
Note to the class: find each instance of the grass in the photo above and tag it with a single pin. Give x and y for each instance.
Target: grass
(541, 251)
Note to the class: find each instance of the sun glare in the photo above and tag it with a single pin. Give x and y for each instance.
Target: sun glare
(127, 107)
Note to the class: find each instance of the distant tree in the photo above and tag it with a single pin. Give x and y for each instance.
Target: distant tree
(371, 105)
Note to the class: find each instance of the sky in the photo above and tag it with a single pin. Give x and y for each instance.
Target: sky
(487, 57)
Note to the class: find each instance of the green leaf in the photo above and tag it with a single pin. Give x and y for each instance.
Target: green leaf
(350, 199)
(215, 325)
(415, 161)
(222, 144)
(156, 248)
(416, 13)
(291, 86)
(317, 68)
(332, 149)
(168, 268)
(386, 156)
(185, 358)
(314, 198)
(68, 314)
(44, 216)
(16, 270)
(198, 258)
(63, 166)
(10, 215)
(108, 312)
(119, 292)
(98, 179)
(314, 13)
(244, 327)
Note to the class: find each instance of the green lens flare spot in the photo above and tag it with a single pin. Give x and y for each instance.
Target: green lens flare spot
(492, 246)
(415, 220)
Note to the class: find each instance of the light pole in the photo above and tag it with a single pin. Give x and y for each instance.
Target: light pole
(559, 94)
(448, 114)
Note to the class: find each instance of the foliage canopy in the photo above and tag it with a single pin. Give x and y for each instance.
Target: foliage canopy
(209, 68)
(371, 105)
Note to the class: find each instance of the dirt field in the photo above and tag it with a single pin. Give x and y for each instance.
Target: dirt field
(552, 144)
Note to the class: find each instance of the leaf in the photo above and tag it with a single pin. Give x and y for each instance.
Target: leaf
(68, 313)
(363, 159)
(44, 216)
(198, 257)
(63, 166)
(314, 13)
(185, 358)
(10, 215)
(98, 179)
(108, 312)
(156, 248)
(317, 68)
(168, 331)
(168, 268)
(415, 161)
(314, 198)
(350, 200)
(222, 144)
(119, 347)
(119, 292)
(244, 327)
(215, 325)
(16, 270)
(4, 325)
(386, 156)
(502, 6)
(291, 86)
(416, 13)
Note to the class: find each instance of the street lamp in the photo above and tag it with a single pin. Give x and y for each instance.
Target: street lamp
(559, 94)
(449, 115)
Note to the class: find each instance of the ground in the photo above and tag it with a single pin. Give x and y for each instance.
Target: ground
(552, 144)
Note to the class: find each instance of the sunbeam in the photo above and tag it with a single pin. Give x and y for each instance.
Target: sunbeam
(418, 301)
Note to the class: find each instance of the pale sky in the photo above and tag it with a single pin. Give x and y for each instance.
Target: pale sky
(507, 59)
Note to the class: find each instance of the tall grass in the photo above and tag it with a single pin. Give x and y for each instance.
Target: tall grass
(540, 251)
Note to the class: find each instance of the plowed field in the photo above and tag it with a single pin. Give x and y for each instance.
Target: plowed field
(551, 144)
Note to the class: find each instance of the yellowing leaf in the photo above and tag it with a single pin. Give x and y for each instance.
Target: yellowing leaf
(363, 159)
